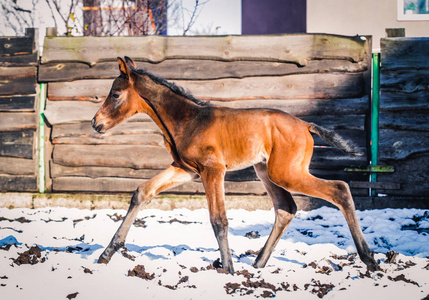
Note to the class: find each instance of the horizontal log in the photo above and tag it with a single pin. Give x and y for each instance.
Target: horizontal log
(406, 81)
(399, 53)
(101, 171)
(133, 133)
(144, 133)
(375, 185)
(66, 112)
(18, 86)
(57, 170)
(17, 103)
(247, 174)
(400, 101)
(18, 183)
(18, 72)
(411, 173)
(17, 121)
(109, 184)
(20, 60)
(16, 46)
(404, 120)
(301, 86)
(130, 139)
(188, 69)
(17, 143)
(305, 107)
(400, 144)
(131, 156)
(290, 48)
(17, 166)
(153, 157)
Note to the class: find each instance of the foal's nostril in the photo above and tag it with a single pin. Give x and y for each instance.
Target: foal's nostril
(95, 127)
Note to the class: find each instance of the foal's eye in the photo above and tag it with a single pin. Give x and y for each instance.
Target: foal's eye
(116, 96)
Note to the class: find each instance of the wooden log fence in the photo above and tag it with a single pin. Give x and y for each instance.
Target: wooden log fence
(321, 78)
(18, 112)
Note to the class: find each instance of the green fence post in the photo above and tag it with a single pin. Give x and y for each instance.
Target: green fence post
(42, 98)
(375, 109)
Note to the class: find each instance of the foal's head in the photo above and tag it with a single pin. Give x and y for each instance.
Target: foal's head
(123, 100)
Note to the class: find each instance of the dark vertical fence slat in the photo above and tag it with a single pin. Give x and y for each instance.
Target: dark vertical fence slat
(404, 114)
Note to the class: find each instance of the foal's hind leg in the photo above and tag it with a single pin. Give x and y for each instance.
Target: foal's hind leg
(285, 209)
(172, 176)
(338, 193)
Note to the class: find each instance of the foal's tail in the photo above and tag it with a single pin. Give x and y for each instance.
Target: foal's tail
(335, 140)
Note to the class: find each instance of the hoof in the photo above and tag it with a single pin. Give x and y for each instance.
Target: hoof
(103, 260)
(372, 264)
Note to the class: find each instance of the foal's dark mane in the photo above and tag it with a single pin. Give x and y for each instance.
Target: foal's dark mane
(173, 87)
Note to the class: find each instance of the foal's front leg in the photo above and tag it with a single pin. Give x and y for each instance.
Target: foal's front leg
(213, 181)
(172, 176)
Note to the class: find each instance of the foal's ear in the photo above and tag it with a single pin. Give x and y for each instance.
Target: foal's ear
(124, 69)
(130, 62)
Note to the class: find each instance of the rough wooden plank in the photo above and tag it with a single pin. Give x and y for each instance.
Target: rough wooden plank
(291, 48)
(406, 81)
(17, 103)
(132, 126)
(301, 86)
(18, 183)
(375, 185)
(399, 101)
(17, 143)
(137, 133)
(176, 69)
(305, 107)
(18, 86)
(404, 120)
(66, 112)
(17, 121)
(96, 139)
(405, 53)
(17, 166)
(400, 144)
(101, 171)
(131, 156)
(411, 173)
(16, 46)
(108, 184)
(18, 72)
(20, 60)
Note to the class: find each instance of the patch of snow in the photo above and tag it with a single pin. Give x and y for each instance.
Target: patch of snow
(178, 248)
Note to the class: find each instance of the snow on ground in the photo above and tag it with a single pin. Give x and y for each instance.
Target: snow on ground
(51, 253)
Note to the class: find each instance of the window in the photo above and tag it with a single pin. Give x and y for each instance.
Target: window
(413, 10)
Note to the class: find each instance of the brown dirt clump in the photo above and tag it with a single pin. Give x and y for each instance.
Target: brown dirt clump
(32, 256)
(140, 272)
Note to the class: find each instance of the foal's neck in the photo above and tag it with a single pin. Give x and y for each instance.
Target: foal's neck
(169, 110)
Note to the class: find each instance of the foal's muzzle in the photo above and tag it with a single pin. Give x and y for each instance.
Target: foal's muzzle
(98, 128)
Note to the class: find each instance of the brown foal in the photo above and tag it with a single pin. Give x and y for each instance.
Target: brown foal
(205, 141)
